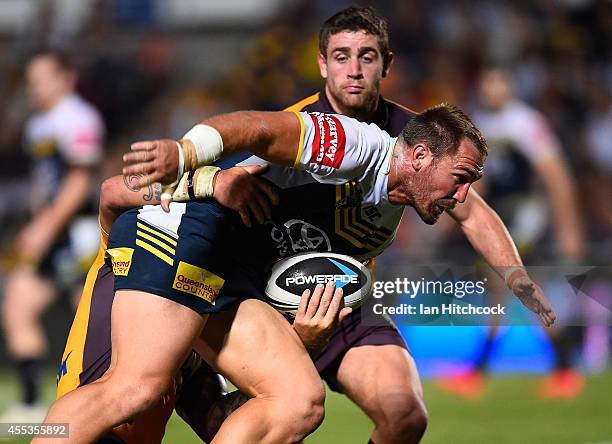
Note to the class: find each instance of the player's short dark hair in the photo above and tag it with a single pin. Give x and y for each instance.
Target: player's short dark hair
(442, 127)
(63, 58)
(356, 18)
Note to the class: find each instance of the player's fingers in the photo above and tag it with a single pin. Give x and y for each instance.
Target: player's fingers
(256, 169)
(344, 313)
(326, 299)
(269, 191)
(335, 304)
(313, 303)
(138, 181)
(301, 311)
(144, 168)
(138, 157)
(551, 316)
(256, 211)
(246, 219)
(166, 198)
(264, 204)
(144, 145)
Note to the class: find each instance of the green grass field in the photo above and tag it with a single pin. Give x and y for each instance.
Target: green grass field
(509, 413)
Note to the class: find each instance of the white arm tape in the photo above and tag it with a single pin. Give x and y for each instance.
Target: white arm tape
(208, 143)
(181, 165)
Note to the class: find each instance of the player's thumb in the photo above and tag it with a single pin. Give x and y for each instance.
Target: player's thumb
(166, 197)
(344, 313)
(256, 169)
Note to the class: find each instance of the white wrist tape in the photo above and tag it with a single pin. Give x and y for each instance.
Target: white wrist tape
(196, 184)
(207, 142)
(181, 164)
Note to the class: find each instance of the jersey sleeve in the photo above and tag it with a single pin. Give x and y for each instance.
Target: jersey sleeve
(82, 140)
(534, 137)
(336, 148)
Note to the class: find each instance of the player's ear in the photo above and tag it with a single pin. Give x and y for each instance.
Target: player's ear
(387, 63)
(420, 156)
(322, 61)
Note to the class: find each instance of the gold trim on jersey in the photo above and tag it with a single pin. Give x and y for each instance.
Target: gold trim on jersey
(301, 145)
(405, 108)
(72, 359)
(349, 223)
(157, 238)
(303, 103)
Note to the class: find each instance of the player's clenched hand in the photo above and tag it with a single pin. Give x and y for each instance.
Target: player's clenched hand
(152, 161)
(532, 297)
(238, 188)
(318, 316)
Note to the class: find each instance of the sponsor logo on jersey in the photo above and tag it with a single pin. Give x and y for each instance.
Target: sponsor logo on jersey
(121, 260)
(197, 281)
(329, 141)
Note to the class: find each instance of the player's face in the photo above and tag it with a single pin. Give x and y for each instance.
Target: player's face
(445, 181)
(494, 88)
(47, 82)
(353, 69)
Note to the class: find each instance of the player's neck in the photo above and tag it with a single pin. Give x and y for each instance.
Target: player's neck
(54, 101)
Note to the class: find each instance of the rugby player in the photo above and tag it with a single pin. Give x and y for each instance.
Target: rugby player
(372, 365)
(340, 166)
(524, 148)
(64, 140)
(198, 389)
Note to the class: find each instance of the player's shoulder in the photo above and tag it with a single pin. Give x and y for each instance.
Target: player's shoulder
(304, 104)
(396, 116)
(77, 109)
(399, 108)
(522, 115)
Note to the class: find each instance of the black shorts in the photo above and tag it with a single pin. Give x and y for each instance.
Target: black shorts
(192, 255)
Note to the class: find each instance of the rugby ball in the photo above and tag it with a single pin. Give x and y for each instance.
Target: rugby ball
(291, 276)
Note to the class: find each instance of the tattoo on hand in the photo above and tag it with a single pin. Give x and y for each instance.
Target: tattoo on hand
(153, 189)
(157, 190)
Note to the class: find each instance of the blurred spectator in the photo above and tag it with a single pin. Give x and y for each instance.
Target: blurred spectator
(64, 139)
(524, 153)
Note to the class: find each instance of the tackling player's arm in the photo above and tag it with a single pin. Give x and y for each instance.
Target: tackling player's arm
(38, 236)
(274, 136)
(561, 190)
(490, 238)
(237, 188)
(118, 194)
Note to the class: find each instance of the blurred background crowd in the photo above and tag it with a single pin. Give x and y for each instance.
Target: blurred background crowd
(153, 68)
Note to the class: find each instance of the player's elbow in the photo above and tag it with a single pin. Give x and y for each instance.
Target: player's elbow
(110, 195)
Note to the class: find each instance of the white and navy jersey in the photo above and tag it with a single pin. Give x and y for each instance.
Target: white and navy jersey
(70, 134)
(518, 137)
(335, 197)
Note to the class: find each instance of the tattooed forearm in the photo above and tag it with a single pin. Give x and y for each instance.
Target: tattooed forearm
(127, 180)
(153, 190)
